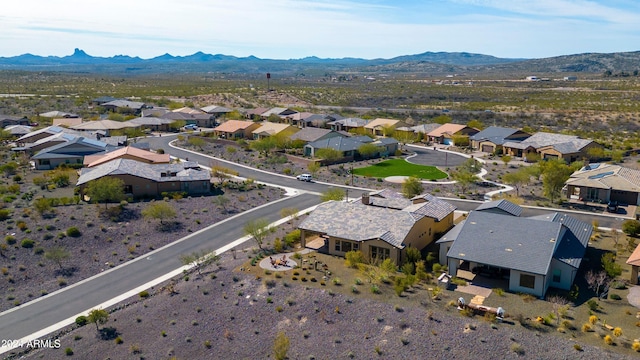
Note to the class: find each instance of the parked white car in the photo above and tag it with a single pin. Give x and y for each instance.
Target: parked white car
(304, 177)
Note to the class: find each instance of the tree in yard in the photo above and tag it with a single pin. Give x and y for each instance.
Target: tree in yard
(313, 167)
(258, 229)
(598, 282)
(413, 254)
(57, 254)
(406, 137)
(558, 303)
(595, 153)
(464, 178)
(476, 124)
(554, 175)
(289, 212)
(412, 186)
(610, 266)
(222, 173)
(329, 155)
(196, 141)
(505, 159)
(199, 260)
(631, 227)
(264, 145)
(43, 206)
(9, 168)
(221, 201)
(98, 317)
(442, 119)
(335, 194)
(159, 210)
(460, 140)
(106, 189)
(280, 346)
(517, 179)
(368, 150)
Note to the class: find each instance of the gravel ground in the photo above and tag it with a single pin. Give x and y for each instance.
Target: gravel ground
(102, 243)
(237, 316)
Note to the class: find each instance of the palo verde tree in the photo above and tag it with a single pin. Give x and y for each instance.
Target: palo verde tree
(517, 179)
(199, 260)
(258, 229)
(329, 155)
(106, 189)
(412, 186)
(335, 194)
(98, 317)
(57, 254)
(368, 150)
(554, 174)
(159, 210)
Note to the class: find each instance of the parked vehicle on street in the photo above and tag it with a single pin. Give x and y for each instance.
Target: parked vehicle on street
(304, 177)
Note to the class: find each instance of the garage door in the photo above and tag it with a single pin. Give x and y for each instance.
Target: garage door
(487, 148)
(624, 197)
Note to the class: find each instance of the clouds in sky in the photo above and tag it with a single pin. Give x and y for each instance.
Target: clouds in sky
(283, 29)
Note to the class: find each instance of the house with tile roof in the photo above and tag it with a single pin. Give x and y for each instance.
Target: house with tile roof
(381, 127)
(236, 129)
(348, 124)
(382, 225)
(67, 121)
(422, 129)
(150, 180)
(492, 138)
(216, 110)
(58, 114)
(152, 123)
(124, 106)
(551, 146)
(444, 134)
(71, 152)
(268, 128)
(488, 243)
(6, 120)
(255, 114)
(311, 134)
(127, 152)
(192, 116)
(602, 183)
(18, 130)
(279, 111)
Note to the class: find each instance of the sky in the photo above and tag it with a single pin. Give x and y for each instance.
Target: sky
(293, 29)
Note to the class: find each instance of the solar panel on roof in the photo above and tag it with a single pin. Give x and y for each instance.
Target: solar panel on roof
(600, 176)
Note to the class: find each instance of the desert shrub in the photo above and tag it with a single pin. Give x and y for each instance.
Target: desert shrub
(81, 320)
(119, 340)
(615, 297)
(73, 232)
(636, 346)
(143, 294)
(27, 243)
(586, 327)
(593, 305)
(68, 351)
(631, 227)
(498, 291)
(5, 214)
(517, 348)
(292, 237)
(353, 258)
(10, 239)
(617, 332)
(608, 340)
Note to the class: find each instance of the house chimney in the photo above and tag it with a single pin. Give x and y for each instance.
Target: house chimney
(365, 199)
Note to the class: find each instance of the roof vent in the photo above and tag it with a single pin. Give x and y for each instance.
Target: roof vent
(507, 249)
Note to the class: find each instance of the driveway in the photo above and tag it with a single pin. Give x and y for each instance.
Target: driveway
(437, 157)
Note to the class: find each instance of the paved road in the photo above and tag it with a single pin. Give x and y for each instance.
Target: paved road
(66, 304)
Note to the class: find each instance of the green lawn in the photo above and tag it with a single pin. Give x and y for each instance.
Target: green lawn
(399, 167)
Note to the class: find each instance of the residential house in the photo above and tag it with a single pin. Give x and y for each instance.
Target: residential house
(66, 121)
(297, 119)
(388, 146)
(102, 100)
(6, 120)
(348, 124)
(39, 134)
(58, 114)
(150, 180)
(382, 127)
(419, 131)
(382, 225)
(71, 152)
(348, 146)
(491, 139)
(236, 129)
(634, 262)
(445, 134)
(151, 123)
(278, 111)
(268, 128)
(124, 106)
(216, 110)
(311, 134)
(43, 143)
(18, 130)
(106, 126)
(551, 146)
(191, 116)
(603, 183)
(127, 152)
(492, 243)
(255, 114)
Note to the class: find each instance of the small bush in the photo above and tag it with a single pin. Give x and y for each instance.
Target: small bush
(586, 327)
(577, 347)
(73, 232)
(143, 294)
(636, 346)
(119, 340)
(10, 239)
(608, 340)
(68, 351)
(593, 305)
(27, 243)
(517, 348)
(81, 320)
(617, 332)
(615, 297)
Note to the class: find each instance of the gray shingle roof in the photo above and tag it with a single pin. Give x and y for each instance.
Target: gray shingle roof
(498, 240)
(78, 146)
(495, 134)
(353, 221)
(565, 144)
(574, 244)
(183, 171)
(433, 207)
(338, 143)
(311, 134)
(350, 122)
(504, 205)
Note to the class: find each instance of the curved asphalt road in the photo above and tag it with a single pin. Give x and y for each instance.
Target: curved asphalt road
(37, 318)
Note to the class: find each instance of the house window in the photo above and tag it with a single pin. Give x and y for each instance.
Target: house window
(379, 253)
(128, 189)
(556, 275)
(528, 281)
(337, 245)
(356, 246)
(346, 246)
(592, 193)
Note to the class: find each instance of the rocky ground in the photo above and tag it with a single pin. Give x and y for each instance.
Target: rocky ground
(102, 242)
(227, 314)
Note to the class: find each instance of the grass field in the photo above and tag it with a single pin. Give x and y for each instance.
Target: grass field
(399, 167)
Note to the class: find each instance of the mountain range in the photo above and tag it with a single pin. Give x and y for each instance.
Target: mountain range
(428, 62)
